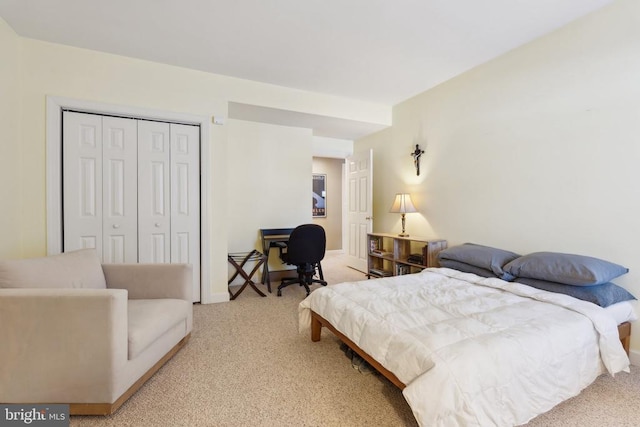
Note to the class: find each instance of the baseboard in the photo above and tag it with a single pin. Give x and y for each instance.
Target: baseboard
(335, 252)
(634, 357)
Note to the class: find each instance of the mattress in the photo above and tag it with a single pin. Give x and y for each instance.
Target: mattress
(473, 350)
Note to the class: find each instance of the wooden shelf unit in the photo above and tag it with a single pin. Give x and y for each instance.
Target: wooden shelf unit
(389, 254)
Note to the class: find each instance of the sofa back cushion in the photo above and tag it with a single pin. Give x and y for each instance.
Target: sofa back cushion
(77, 269)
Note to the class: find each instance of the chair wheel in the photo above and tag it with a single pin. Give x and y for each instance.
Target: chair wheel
(279, 293)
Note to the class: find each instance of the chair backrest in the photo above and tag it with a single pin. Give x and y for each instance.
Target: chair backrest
(306, 244)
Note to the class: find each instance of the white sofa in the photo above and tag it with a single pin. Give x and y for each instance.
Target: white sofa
(76, 332)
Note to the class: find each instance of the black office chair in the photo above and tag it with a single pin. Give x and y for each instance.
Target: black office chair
(305, 249)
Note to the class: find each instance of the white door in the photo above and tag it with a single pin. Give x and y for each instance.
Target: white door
(185, 199)
(359, 176)
(131, 190)
(82, 181)
(119, 192)
(169, 195)
(154, 192)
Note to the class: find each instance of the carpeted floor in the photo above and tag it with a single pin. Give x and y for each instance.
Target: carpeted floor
(246, 365)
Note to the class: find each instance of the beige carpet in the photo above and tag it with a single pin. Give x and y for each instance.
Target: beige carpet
(246, 365)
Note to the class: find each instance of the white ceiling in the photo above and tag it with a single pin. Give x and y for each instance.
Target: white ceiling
(381, 51)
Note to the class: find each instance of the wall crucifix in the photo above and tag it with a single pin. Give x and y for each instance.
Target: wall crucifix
(416, 158)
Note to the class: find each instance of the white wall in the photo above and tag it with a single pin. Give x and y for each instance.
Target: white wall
(10, 147)
(35, 69)
(536, 150)
(270, 183)
(332, 147)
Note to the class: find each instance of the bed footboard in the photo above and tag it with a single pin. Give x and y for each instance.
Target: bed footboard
(317, 322)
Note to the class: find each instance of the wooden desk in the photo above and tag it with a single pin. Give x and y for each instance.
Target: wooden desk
(272, 238)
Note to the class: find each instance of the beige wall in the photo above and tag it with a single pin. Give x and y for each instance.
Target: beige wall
(33, 70)
(269, 183)
(265, 188)
(536, 150)
(10, 144)
(332, 224)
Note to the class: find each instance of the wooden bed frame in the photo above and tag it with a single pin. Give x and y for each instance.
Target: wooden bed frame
(317, 322)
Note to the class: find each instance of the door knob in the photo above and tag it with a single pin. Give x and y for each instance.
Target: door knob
(157, 224)
(368, 218)
(116, 226)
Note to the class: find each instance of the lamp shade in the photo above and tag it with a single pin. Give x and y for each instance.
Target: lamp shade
(402, 204)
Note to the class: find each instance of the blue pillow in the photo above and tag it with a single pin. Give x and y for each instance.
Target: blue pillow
(483, 257)
(466, 268)
(569, 269)
(603, 295)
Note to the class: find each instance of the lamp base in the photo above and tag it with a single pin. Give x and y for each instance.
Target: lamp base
(403, 234)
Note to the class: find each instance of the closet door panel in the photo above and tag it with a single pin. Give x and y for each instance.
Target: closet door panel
(120, 201)
(82, 181)
(154, 192)
(131, 190)
(185, 198)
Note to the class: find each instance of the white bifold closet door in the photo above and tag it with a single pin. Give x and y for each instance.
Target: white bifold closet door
(131, 190)
(169, 193)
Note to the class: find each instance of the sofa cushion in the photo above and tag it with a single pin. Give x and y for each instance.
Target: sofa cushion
(149, 319)
(76, 269)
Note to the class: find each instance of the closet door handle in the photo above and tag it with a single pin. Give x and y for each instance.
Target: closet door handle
(116, 226)
(157, 224)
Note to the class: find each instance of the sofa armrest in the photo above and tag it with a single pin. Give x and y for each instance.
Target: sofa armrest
(69, 339)
(151, 281)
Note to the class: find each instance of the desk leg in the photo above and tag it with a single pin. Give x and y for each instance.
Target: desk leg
(266, 277)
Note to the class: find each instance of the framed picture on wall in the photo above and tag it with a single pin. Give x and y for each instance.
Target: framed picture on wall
(319, 207)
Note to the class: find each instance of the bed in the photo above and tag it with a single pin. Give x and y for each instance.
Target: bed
(472, 350)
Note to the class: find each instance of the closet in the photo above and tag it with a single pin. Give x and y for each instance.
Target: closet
(131, 189)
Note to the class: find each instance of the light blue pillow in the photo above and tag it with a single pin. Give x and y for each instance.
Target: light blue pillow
(568, 269)
(483, 257)
(603, 295)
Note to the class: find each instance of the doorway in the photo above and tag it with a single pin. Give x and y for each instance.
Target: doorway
(359, 207)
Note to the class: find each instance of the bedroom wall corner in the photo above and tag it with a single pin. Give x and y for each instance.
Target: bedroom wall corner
(394, 172)
(536, 150)
(218, 196)
(10, 142)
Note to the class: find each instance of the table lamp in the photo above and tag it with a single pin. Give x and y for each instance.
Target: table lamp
(402, 204)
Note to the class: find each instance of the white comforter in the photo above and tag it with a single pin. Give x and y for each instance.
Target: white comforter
(473, 351)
